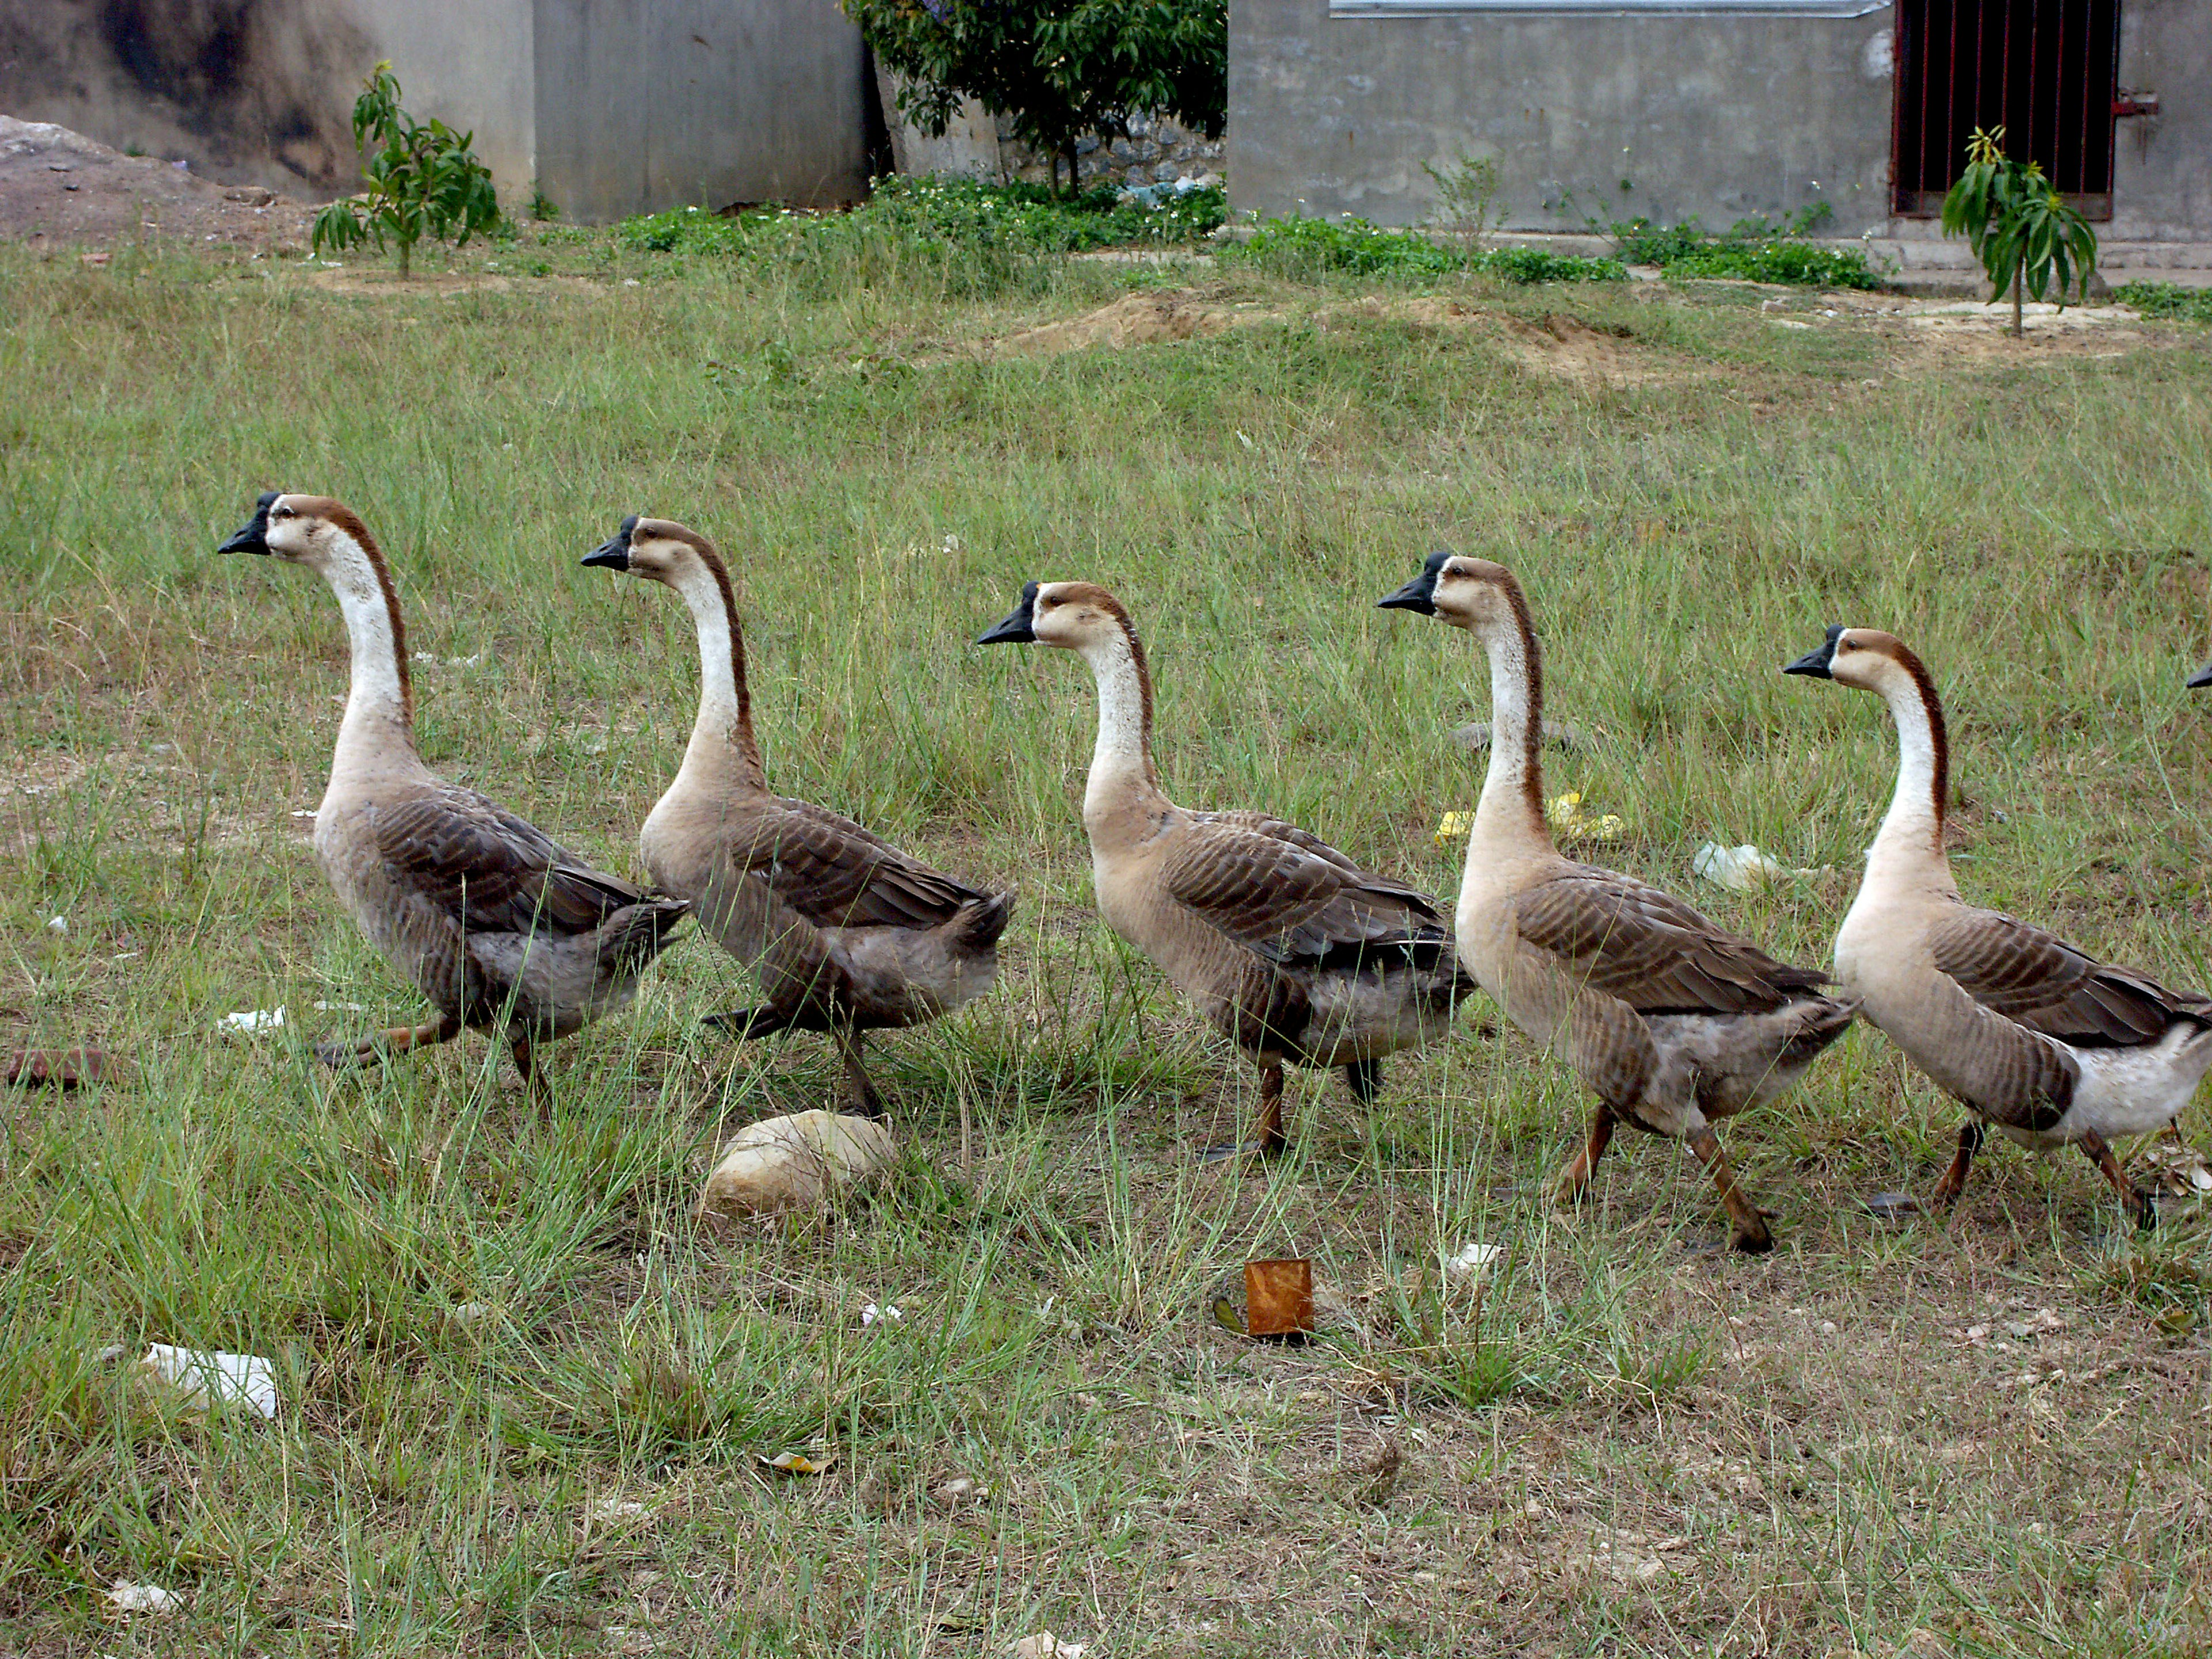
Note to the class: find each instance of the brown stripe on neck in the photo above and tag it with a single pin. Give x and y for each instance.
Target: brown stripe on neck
(345, 518)
(1532, 657)
(1092, 593)
(1938, 734)
(742, 736)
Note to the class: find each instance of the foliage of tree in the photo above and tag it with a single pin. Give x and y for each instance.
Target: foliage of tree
(1058, 70)
(423, 180)
(2019, 227)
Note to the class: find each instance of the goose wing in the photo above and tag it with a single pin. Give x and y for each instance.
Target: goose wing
(1628, 940)
(490, 870)
(1291, 898)
(2038, 980)
(836, 874)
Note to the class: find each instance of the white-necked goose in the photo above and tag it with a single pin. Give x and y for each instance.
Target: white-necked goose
(500, 927)
(1671, 1020)
(844, 933)
(1291, 950)
(2039, 1038)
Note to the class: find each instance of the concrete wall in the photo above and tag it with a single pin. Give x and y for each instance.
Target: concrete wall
(2162, 164)
(613, 106)
(1718, 117)
(1668, 117)
(671, 103)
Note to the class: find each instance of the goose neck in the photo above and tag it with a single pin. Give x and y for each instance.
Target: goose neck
(379, 712)
(1123, 776)
(722, 747)
(1511, 807)
(1911, 840)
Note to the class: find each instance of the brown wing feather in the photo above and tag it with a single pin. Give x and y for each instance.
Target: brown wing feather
(1290, 901)
(1630, 941)
(2039, 981)
(837, 874)
(492, 872)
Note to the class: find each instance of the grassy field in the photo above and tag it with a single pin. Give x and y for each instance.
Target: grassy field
(528, 1399)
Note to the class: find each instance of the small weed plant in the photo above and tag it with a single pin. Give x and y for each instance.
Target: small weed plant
(423, 179)
(2168, 300)
(1753, 250)
(2022, 230)
(1299, 247)
(1466, 197)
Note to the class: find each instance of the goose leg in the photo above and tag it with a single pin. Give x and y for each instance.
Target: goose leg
(1272, 1141)
(746, 1023)
(1954, 1178)
(535, 1080)
(398, 1040)
(1751, 1235)
(2138, 1203)
(1364, 1078)
(1574, 1179)
(858, 1096)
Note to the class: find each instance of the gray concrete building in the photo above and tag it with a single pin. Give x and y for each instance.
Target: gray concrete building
(1597, 111)
(609, 107)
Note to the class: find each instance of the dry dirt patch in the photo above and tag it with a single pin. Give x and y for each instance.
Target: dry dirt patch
(60, 187)
(1155, 318)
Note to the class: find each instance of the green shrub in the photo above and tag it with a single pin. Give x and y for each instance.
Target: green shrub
(1753, 250)
(2167, 300)
(1302, 247)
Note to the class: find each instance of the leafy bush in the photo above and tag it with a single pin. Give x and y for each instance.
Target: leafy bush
(1753, 250)
(2018, 224)
(1301, 246)
(2167, 300)
(1057, 70)
(423, 180)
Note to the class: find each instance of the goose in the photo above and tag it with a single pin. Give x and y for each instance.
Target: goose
(500, 927)
(844, 933)
(1671, 1020)
(2200, 679)
(2051, 1046)
(1292, 950)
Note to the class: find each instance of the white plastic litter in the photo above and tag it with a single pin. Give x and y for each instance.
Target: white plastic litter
(1741, 869)
(1473, 1262)
(255, 1022)
(1045, 1645)
(871, 1314)
(127, 1597)
(208, 1380)
(58, 924)
(341, 1007)
(603, 1509)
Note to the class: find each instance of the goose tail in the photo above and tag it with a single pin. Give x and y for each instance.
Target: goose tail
(632, 936)
(977, 924)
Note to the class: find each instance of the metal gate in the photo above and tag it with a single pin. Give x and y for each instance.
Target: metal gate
(2046, 70)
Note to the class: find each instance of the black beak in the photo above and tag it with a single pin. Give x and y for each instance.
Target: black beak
(2200, 679)
(613, 553)
(1418, 594)
(252, 536)
(1017, 629)
(1815, 663)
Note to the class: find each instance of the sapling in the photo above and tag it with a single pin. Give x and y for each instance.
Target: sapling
(423, 180)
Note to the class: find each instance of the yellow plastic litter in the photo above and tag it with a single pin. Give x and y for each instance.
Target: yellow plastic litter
(1453, 827)
(1565, 816)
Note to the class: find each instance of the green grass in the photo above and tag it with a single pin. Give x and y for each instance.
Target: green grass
(1751, 249)
(1622, 1442)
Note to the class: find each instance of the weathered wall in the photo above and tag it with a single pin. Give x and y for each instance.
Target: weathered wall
(671, 103)
(1593, 118)
(2162, 164)
(614, 106)
(1718, 117)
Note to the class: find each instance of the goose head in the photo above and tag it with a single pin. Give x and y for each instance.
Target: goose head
(1476, 594)
(310, 530)
(2201, 679)
(657, 550)
(1865, 658)
(1074, 616)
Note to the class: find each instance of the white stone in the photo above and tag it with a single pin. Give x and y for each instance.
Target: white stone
(794, 1163)
(208, 1380)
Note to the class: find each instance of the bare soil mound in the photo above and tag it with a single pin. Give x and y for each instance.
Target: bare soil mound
(1135, 319)
(58, 188)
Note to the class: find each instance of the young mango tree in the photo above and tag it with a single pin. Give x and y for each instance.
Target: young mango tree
(423, 180)
(1057, 70)
(2021, 229)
